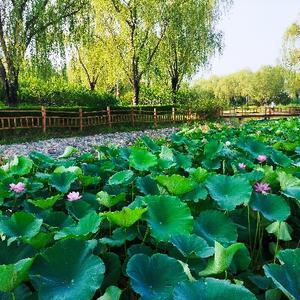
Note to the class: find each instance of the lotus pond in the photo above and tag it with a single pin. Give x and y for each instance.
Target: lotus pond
(200, 216)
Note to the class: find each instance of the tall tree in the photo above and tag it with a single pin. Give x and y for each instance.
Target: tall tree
(190, 40)
(137, 28)
(33, 27)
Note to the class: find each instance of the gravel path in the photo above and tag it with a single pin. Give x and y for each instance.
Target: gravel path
(56, 146)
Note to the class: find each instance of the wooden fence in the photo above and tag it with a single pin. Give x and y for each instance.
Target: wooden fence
(45, 119)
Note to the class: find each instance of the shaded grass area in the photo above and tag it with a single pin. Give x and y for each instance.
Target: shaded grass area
(32, 135)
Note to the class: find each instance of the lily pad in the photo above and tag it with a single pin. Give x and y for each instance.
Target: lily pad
(142, 160)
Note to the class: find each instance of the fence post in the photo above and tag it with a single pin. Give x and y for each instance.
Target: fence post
(132, 116)
(108, 115)
(43, 111)
(190, 115)
(80, 119)
(173, 114)
(155, 117)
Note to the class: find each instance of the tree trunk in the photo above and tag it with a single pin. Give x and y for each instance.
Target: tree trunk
(92, 86)
(175, 87)
(11, 91)
(136, 91)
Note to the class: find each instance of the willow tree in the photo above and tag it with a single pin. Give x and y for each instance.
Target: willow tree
(136, 28)
(190, 40)
(34, 28)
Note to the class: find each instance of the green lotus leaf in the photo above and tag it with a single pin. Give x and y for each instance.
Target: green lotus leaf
(89, 180)
(280, 158)
(167, 159)
(45, 203)
(119, 237)
(67, 270)
(42, 160)
(73, 169)
(183, 160)
(192, 245)
(62, 181)
(68, 152)
(20, 225)
(212, 149)
(240, 261)
(222, 259)
(122, 177)
(142, 160)
(126, 217)
(154, 277)
(253, 147)
(176, 184)
(108, 200)
(290, 185)
(167, 216)
(211, 289)
(86, 225)
(12, 275)
(111, 293)
(40, 240)
(198, 193)
(272, 207)
(151, 145)
(281, 230)
(20, 166)
(229, 191)
(113, 269)
(213, 225)
(147, 185)
(287, 275)
(199, 175)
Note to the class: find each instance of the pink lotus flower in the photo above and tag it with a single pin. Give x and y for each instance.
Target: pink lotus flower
(74, 196)
(17, 188)
(262, 187)
(261, 158)
(242, 166)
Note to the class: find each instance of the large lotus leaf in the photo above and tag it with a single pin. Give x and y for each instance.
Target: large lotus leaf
(20, 224)
(167, 216)
(68, 152)
(287, 275)
(211, 289)
(183, 160)
(62, 181)
(119, 237)
(45, 203)
(42, 160)
(147, 185)
(108, 200)
(72, 169)
(12, 275)
(281, 230)
(67, 270)
(280, 158)
(213, 225)
(122, 177)
(21, 165)
(176, 184)
(240, 261)
(88, 224)
(192, 245)
(199, 175)
(111, 293)
(152, 146)
(272, 207)
(198, 193)
(253, 147)
(142, 160)
(222, 259)
(290, 185)
(112, 269)
(126, 217)
(154, 277)
(212, 149)
(167, 159)
(229, 191)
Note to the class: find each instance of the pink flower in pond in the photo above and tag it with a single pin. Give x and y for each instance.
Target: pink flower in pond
(74, 196)
(261, 158)
(17, 188)
(262, 187)
(242, 166)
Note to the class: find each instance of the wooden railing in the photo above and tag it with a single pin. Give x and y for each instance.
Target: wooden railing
(45, 119)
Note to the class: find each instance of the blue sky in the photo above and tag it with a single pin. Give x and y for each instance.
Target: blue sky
(253, 31)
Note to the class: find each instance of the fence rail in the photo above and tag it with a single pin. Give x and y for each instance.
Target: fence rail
(46, 119)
